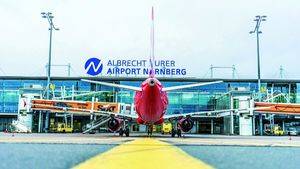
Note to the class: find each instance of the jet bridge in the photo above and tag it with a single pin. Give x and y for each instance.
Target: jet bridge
(76, 107)
(277, 108)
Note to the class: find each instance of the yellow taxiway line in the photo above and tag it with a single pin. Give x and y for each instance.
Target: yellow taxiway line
(146, 153)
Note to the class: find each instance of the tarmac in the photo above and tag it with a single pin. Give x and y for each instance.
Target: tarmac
(108, 150)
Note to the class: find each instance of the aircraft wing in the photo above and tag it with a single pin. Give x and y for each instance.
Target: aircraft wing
(189, 86)
(113, 85)
(207, 113)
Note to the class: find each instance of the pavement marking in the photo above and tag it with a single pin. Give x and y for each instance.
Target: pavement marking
(145, 153)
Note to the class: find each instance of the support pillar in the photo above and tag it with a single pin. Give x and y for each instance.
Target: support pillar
(231, 114)
(91, 119)
(212, 126)
(231, 123)
(40, 122)
(47, 122)
(196, 127)
(253, 125)
(260, 125)
(92, 112)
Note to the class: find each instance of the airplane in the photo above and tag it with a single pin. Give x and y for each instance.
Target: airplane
(151, 100)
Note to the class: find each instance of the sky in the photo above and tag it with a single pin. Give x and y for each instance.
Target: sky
(194, 33)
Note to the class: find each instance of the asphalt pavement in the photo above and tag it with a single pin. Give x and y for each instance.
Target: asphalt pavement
(246, 157)
(46, 156)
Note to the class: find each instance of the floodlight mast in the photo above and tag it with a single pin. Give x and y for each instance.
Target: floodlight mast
(49, 18)
(258, 19)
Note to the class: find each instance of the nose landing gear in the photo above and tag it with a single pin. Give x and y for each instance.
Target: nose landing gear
(150, 130)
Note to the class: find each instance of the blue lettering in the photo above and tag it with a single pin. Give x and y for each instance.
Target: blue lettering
(156, 63)
(109, 71)
(109, 63)
(172, 63)
(138, 70)
(156, 71)
(133, 71)
(137, 63)
(128, 63)
(134, 63)
(118, 63)
(135, 67)
(167, 63)
(183, 71)
(145, 71)
(122, 70)
(123, 62)
(162, 63)
(162, 71)
(117, 70)
(173, 71)
(127, 71)
(167, 71)
(143, 62)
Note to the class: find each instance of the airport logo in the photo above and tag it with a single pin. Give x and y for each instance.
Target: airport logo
(93, 66)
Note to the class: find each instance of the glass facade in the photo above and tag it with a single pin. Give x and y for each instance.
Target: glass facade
(9, 101)
(203, 98)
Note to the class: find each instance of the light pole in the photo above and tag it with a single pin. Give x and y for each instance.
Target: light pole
(49, 17)
(258, 19)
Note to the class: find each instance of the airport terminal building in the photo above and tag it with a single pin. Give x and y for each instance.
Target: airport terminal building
(204, 98)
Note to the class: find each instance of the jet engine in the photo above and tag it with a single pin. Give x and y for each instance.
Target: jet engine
(114, 124)
(186, 124)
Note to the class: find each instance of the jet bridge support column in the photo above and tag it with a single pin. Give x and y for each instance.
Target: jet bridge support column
(72, 120)
(253, 124)
(260, 124)
(40, 122)
(91, 119)
(231, 123)
(92, 112)
(231, 115)
(212, 126)
(47, 117)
